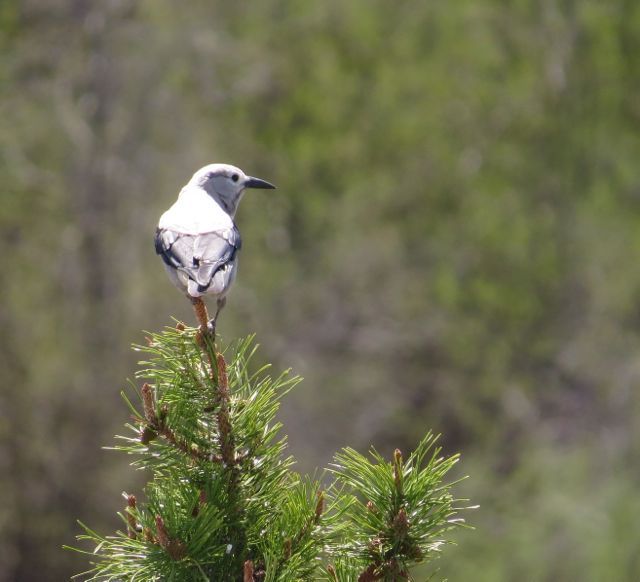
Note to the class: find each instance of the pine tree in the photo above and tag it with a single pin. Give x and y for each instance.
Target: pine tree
(223, 501)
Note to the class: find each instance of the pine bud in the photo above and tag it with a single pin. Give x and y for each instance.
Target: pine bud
(148, 535)
(180, 326)
(248, 571)
(148, 404)
(175, 548)
(397, 469)
(164, 412)
(319, 507)
(202, 499)
(147, 435)
(369, 575)
(163, 534)
(413, 552)
(332, 572)
(401, 523)
(131, 520)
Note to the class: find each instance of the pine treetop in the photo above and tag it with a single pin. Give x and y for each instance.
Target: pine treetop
(223, 501)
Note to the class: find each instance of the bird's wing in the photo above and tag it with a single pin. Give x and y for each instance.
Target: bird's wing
(198, 255)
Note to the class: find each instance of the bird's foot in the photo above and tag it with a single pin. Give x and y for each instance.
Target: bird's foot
(206, 334)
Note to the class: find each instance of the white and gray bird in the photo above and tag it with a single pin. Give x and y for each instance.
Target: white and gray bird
(197, 238)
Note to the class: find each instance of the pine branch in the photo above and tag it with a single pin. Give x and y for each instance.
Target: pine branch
(396, 513)
(156, 425)
(173, 546)
(223, 502)
(227, 444)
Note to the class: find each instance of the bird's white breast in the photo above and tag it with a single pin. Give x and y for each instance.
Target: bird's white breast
(195, 212)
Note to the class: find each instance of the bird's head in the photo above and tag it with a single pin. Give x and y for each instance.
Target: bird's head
(226, 184)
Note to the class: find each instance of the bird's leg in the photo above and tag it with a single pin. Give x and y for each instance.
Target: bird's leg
(219, 304)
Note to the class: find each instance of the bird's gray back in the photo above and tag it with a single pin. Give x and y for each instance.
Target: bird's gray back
(204, 263)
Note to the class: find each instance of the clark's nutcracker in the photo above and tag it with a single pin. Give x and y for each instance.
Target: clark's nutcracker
(198, 240)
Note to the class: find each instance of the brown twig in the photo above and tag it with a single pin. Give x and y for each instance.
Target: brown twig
(202, 315)
(227, 444)
(190, 450)
(227, 449)
(158, 426)
(401, 523)
(204, 338)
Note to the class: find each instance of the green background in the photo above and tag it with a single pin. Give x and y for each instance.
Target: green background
(454, 244)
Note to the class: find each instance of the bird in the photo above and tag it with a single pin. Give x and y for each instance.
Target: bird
(198, 240)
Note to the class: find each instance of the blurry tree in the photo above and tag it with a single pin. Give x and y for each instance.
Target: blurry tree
(457, 217)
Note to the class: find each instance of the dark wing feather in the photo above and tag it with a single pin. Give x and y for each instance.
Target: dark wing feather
(200, 256)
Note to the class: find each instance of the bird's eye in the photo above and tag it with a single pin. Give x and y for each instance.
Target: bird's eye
(235, 177)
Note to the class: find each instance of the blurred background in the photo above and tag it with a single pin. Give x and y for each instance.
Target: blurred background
(454, 244)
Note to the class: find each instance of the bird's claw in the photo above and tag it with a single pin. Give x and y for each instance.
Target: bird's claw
(206, 334)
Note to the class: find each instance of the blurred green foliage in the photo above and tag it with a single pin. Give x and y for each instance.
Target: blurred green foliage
(453, 245)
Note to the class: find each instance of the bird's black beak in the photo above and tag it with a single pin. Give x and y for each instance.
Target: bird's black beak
(258, 183)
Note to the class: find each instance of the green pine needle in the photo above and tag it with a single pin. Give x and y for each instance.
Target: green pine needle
(203, 517)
